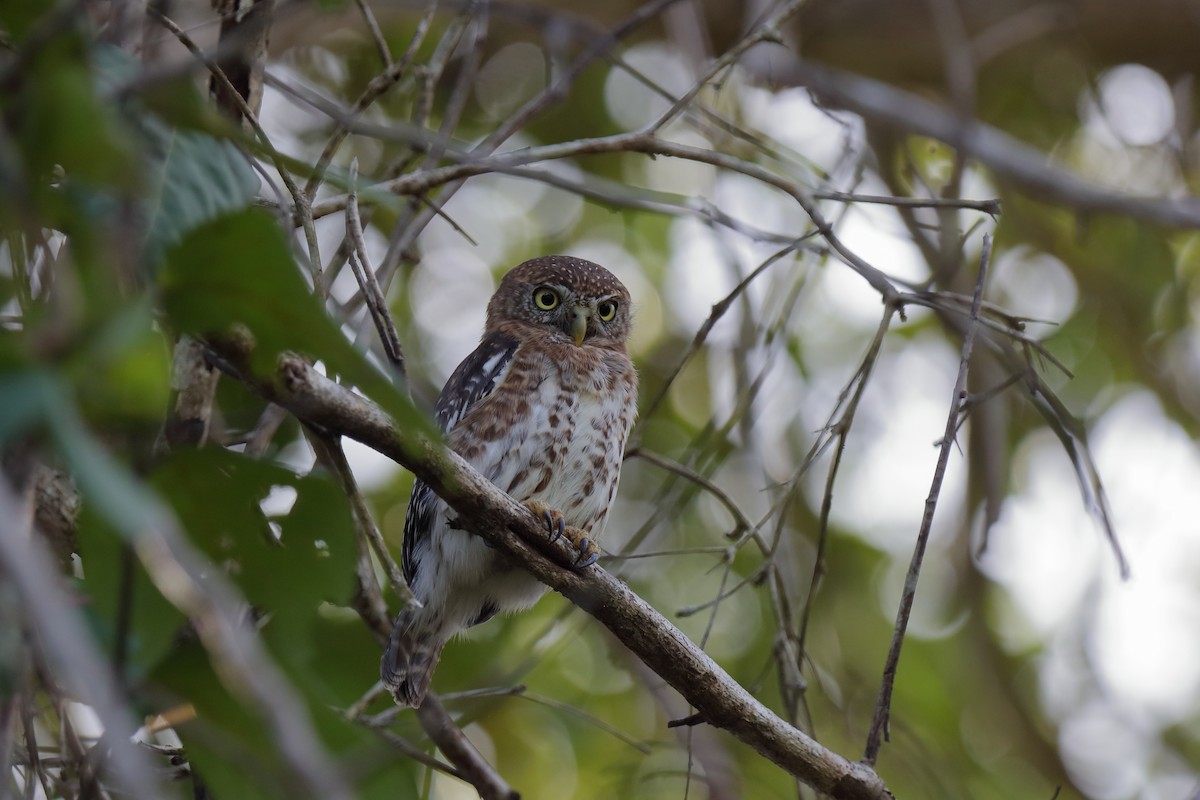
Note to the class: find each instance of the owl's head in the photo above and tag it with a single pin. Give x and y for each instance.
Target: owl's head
(574, 299)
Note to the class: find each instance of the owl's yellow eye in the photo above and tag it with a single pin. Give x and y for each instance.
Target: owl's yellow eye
(544, 298)
(607, 310)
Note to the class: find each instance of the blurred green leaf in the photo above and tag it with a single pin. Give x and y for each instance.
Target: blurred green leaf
(111, 572)
(286, 566)
(237, 270)
(191, 175)
(58, 99)
(37, 398)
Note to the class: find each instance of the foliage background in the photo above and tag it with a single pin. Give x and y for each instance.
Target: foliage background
(1029, 668)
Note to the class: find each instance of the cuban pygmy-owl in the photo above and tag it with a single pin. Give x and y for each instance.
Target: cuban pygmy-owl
(541, 408)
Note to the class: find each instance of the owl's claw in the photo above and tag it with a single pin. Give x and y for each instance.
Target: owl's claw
(557, 528)
(588, 554)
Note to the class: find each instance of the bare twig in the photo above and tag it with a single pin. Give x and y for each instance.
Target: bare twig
(368, 600)
(372, 294)
(742, 522)
(385, 54)
(847, 405)
(376, 88)
(363, 520)
(719, 309)
(879, 723)
(1008, 158)
(438, 723)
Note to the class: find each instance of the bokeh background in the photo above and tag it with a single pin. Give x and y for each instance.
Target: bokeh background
(1032, 667)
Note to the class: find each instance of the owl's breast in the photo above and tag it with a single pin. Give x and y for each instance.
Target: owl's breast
(560, 439)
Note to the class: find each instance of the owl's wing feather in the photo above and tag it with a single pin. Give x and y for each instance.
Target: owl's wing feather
(474, 379)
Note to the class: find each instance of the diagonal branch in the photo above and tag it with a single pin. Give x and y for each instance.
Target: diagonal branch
(1009, 158)
(508, 525)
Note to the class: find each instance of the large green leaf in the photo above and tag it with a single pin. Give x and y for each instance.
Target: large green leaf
(122, 600)
(191, 175)
(286, 566)
(237, 271)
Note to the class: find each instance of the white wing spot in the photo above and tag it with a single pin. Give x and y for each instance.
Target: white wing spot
(491, 363)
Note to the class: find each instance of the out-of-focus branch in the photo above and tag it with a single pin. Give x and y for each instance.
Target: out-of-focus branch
(1009, 159)
(194, 388)
(509, 526)
(247, 25)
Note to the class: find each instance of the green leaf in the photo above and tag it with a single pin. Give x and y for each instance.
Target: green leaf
(111, 570)
(192, 176)
(36, 397)
(237, 270)
(286, 566)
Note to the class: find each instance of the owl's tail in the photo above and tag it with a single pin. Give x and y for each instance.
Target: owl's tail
(412, 654)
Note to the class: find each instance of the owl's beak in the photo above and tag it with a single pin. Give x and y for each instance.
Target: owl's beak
(579, 325)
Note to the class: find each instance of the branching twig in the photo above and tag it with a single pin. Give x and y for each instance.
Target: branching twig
(367, 283)
(848, 405)
(879, 723)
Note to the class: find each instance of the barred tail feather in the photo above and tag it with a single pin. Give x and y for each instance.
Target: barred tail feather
(408, 662)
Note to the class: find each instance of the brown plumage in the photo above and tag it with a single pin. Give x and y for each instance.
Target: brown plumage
(542, 408)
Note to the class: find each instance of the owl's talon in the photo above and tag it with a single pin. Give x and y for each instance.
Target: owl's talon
(555, 524)
(557, 528)
(588, 555)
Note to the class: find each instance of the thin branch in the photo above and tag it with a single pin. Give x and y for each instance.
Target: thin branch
(385, 54)
(1008, 158)
(683, 471)
(879, 723)
(590, 719)
(719, 310)
(849, 400)
(453, 743)
(991, 207)
(302, 209)
(372, 294)
(509, 526)
(368, 600)
(363, 520)
(393, 72)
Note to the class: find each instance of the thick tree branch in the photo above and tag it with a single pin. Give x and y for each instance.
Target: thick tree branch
(508, 525)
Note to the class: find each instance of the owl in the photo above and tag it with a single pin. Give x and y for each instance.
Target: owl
(542, 408)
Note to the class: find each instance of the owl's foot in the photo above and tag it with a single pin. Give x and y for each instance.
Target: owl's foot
(557, 527)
